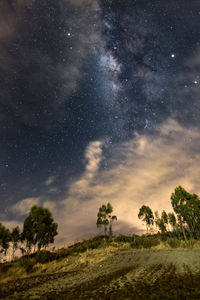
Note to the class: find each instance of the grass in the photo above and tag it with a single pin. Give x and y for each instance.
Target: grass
(113, 268)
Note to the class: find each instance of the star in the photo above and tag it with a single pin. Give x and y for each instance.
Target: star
(195, 82)
(173, 55)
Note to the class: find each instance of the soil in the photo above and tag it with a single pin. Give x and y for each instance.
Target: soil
(114, 274)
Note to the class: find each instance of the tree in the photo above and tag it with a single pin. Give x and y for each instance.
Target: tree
(39, 228)
(15, 239)
(4, 239)
(159, 222)
(172, 220)
(164, 218)
(187, 208)
(105, 218)
(145, 213)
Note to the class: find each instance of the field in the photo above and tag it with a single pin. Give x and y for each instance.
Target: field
(109, 273)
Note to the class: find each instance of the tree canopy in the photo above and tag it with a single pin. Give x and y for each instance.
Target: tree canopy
(145, 213)
(105, 218)
(4, 239)
(39, 228)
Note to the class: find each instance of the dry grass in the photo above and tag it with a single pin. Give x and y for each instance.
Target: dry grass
(115, 271)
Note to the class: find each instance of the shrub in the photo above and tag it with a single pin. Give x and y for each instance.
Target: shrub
(28, 264)
(145, 242)
(188, 244)
(78, 248)
(124, 238)
(62, 253)
(94, 244)
(173, 242)
(44, 256)
(4, 267)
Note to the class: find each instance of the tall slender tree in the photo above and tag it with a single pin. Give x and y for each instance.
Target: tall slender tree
(172, 220)
(4, 239)
(15, 239)
(164, 218)
(105, 218)
(145, 213)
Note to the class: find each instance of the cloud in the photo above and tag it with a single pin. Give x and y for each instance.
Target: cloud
(144, 170)
(23, 207)
(50, 180)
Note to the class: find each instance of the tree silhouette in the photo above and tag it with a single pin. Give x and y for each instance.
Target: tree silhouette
(172, 220)
(4, 239)
(39, 229)
(15, 239)
(187, 208)
(164, 218)
(105, 218)
(145, 213)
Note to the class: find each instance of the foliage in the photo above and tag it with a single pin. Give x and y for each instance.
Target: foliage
(173, 242)
(15, 239)
(44, 256)
(39, 229)
(172, 220)
(145, 242)
(187, 208)
(62, 253)
(145, 213)
(184, 223)
(28, 264)
(125, 238)
(4, 239)
(105, 218)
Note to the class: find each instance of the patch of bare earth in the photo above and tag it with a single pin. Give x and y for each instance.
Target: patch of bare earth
(113, 274)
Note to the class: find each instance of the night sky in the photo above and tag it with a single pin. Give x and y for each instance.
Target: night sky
(99, 101)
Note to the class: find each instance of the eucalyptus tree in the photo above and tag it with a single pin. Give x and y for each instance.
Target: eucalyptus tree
(39, 228)
(145, 213)
(105, 218)
(187, 208)
(4, 239)
(15, 237)
(164, 218)
(172, 220)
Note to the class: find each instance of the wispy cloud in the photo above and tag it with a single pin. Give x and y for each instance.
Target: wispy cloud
(22, 208)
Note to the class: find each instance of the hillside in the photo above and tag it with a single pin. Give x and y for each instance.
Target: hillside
(109, 273)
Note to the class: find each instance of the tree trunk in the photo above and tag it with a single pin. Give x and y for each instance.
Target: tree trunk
(183, 230)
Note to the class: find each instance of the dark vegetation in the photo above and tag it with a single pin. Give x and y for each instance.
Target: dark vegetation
(183, 223)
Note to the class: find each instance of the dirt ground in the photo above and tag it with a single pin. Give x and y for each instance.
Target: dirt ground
(113, 274)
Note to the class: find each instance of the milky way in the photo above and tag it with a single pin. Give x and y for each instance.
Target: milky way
(81, 75)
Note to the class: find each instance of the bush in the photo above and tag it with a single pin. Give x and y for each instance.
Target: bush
(62, 253)
(124, 238)
(173, 242)
(94, 244)
(145, 242)
(28, 264)
(188, 244)
(44, 256)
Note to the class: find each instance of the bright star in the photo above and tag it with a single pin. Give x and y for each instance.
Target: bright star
(173, 55)
(195, 82)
